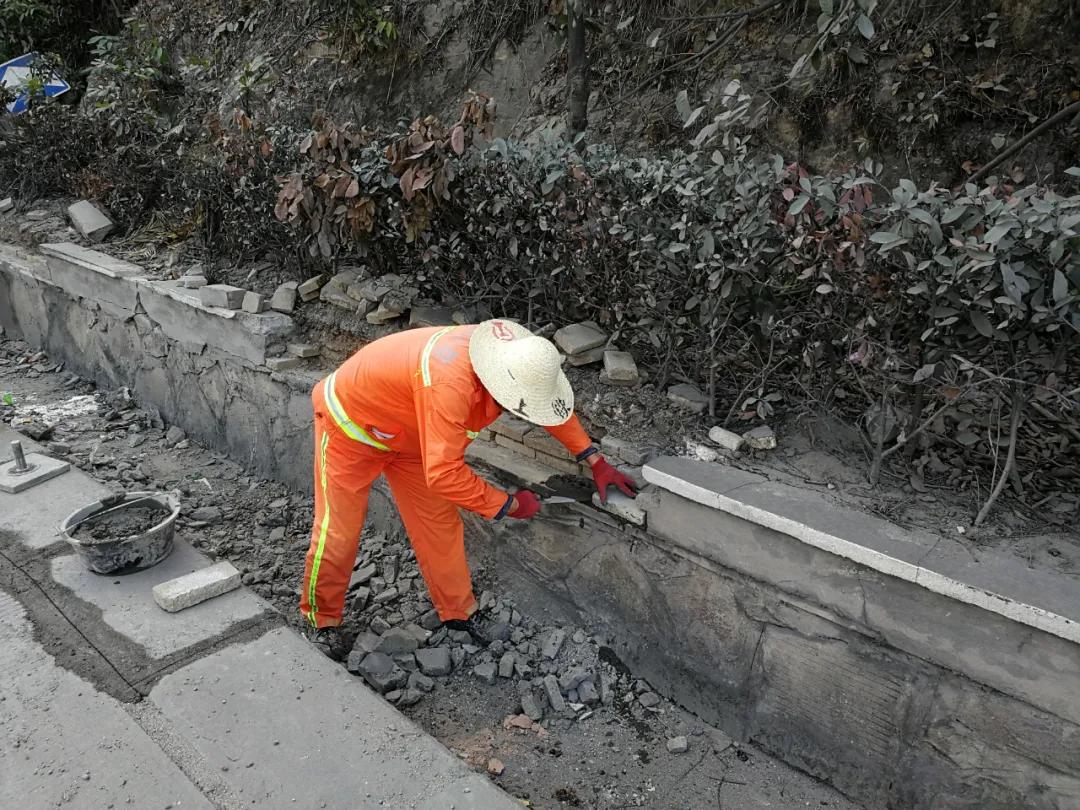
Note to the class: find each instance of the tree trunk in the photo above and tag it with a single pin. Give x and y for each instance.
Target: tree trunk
(577, 69)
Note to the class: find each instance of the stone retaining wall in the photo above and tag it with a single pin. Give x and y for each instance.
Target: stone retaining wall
(851, 649)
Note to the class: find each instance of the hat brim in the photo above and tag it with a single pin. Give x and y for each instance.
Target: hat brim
(487, 347)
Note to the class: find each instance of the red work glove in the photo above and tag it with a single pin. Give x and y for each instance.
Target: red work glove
(605, 476)
(527, 505)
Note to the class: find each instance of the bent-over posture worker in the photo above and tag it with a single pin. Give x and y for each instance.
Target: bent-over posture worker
(407, 406)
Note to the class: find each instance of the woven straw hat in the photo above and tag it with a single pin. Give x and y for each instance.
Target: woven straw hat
(522, 372)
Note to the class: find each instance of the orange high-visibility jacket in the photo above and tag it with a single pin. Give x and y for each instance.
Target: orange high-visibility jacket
(415, 393)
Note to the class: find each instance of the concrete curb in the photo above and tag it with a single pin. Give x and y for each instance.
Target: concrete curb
(930, 579)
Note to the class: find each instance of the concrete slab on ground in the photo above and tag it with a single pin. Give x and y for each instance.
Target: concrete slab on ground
(35, 514)
(63, 743)
(292, 727)
(127, 602)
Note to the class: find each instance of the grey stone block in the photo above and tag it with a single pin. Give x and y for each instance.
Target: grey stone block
(384, 313)
(587, 358)
(6, 205)
(578, 338)
(284, 297)
(506, 665)
(192, 282)
(485, 672)
(553, 643)
(678, 745)
(397, 640)
(90, 221)
(430, 316)
(282, 363)
(198, 586)
(622, 507)
(630, 452)
(222, 296)
(254, 303)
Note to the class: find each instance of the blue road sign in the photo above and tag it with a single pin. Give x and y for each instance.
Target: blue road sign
(15, 74)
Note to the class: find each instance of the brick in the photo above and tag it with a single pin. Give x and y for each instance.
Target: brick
(621, 507)
(430, 316)
(512, 427)
(578, 338)
(303, 350)
(562, 465)
(517, 447)
(282, 363)
(309, 290)
(587, 358)
(543, 442)
(198, 586)
(726, 439)
(90, 221)
(688, 397)
(284, 297)
(631, 453)
(253, 303)
(223, 296)
(620, 367)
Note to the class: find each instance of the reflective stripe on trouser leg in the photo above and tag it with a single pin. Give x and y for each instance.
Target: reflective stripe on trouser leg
(437, 536)
(344, 471)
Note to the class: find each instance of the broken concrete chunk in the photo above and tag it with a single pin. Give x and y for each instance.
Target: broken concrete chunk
(174, 435)
(434, 661)
(553, 643)
(389, 595)
(223, 296)
(506, 665)
(6, 205)
(366, 642)
(379, 625)
(309, 290)
(303, 350)
(90, 221)
(678, 745)
(587, 693)
(254, 303)
(578, 338)
(284, 297)
(420, 682)
(192, 282)
(726, 439)
(282, 363)
(572, 678)
(362, 575)
(430, 316)
(382, 673)
(198, 586)
(649, 699)
(485, 672)
(397, 640)
(554, 694)
(760, 438)
(620, 367)
(531, 707)
(688, 397)
(431, 620)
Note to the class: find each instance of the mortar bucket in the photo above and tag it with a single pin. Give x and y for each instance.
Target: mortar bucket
(134, 552)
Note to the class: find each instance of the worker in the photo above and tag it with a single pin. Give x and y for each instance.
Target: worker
(407, 406)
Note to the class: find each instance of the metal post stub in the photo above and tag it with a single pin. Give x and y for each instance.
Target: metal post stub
(20, 466)
(27, 470)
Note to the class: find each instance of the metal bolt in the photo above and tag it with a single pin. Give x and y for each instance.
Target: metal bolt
(20, 459)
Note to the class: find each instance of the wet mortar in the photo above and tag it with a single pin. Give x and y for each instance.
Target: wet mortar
(126, 521)
(607, 749)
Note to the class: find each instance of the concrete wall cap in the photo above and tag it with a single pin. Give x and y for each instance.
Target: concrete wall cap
(997, 582)
(92, 259)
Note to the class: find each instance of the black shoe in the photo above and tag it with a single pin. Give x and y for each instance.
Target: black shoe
(471, 626)
(330, 641)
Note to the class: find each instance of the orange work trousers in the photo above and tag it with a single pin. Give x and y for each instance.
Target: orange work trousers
(345, 469)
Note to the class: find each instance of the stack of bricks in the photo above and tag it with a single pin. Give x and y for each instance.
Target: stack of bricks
(533, 442)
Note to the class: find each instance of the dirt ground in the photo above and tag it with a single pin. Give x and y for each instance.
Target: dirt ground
(607, 754)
